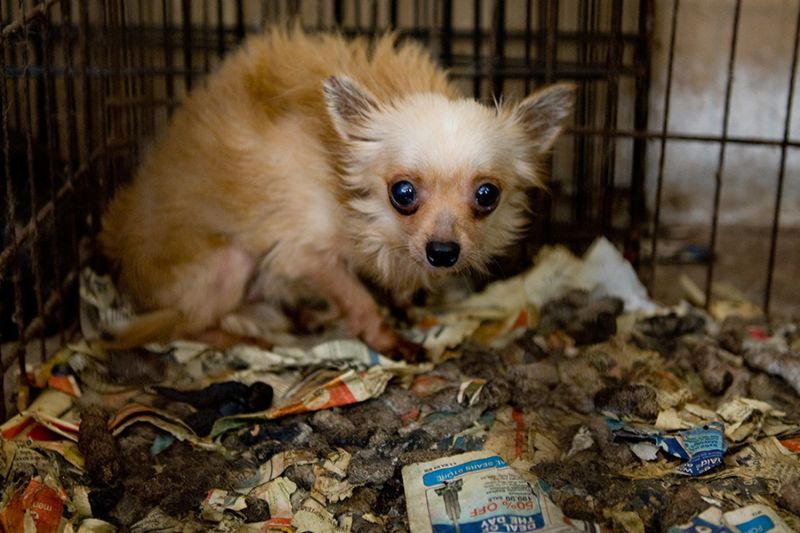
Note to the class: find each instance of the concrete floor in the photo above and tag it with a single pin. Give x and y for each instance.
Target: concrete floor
(741, 260)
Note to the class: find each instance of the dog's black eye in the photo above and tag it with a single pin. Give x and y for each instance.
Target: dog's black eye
(486, 196)
(404, 197)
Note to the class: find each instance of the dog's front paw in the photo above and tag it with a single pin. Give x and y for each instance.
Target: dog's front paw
(386, 340)
(408, 351)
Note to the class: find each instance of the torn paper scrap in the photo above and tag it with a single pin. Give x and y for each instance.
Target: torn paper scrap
(345, 389)
(476, 492)
(750, 519)
(602, 270)
(701, 448)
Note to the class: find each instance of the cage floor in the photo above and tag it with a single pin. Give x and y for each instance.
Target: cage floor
(582, 417)
(741, 262)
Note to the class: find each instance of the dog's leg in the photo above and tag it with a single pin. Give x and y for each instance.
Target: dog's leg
(338, 284)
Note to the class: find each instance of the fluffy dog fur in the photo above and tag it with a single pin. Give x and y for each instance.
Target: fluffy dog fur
(272, 181)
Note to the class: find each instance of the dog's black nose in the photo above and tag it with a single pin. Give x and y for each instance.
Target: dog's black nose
(442, 254)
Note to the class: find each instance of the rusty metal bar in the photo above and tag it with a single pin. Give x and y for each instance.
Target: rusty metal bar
(608, 152)
(773, 242)
(50, 115)
(712, 245)
(688, 137)
(498, 48)
(28, 57)
(663, 154)
(637, 204)
(477, 43)
(186, 23)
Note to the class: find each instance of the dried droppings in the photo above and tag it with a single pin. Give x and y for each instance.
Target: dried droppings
(379, 438)
(596, 323)
(392, 500)
(417, 439)
(480, 363)
(446, 426)
(102, 501)
(731, 334)
(370, 416)
(494, 394)
(583, 471)
(631, 399)
(584, 319)
(401, 401)
(714, 372)
(126, 511)
(337, 428)
(524, 350)
(574, 506)
(541, 374)
(302, 475)
(295, 433)
(257, 510)
(135, 367)
(361, 502)
(769, 360)
(790, 495)
(421, 456)
(100, 451)
(580, 381)
(618, 455)
(685, 503)
(368, 467)
(445, 400)
(663, 333)
(186, 476)
(360, 525)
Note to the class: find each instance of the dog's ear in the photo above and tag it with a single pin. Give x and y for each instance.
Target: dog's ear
(350, 107)
(543, 113)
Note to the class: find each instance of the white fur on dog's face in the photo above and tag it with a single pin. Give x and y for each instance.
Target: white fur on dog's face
(446, 149)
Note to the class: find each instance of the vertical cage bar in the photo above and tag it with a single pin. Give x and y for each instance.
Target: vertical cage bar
(10, 236)
(393, 14)
(637, 211)
(776, 213)
(220, 28)
(186, 14)
(722, 147)
(608, 154)
(528, 44)
(105, 175)
(240, 26)
(73, 133)
(206, 41)
(338, 12)
(580, 161)
(662, 157)
(498, 48)
(53, 152)
(477, 41)
(88, 137)
(29, 57)
(130, 111)
(551, 55)
(117, 116)
(446, 40)
(551, 40)
(169, 76)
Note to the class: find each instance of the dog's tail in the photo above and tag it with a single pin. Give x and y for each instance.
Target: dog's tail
(160, 326)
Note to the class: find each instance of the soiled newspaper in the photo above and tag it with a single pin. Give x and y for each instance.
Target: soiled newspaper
(479, 492)
(753, 518)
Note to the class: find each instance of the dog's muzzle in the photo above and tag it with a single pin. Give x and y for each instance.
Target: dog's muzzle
(442, 254)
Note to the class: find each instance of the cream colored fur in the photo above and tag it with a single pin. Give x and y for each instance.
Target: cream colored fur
(272, 181)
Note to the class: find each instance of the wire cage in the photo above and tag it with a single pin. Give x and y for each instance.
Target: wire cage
(86, 85)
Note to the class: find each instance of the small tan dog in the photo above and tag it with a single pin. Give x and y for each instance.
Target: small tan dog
(309, 162)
